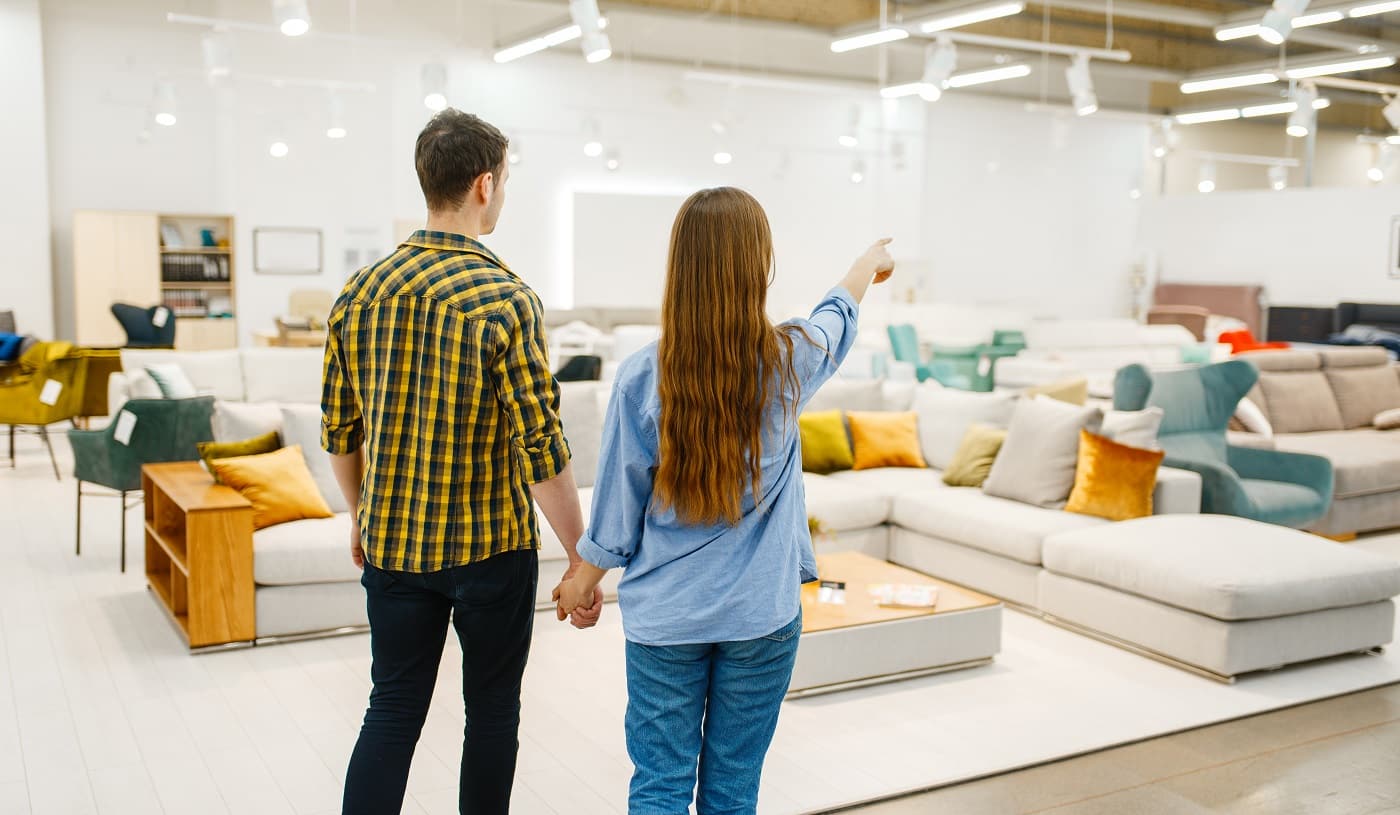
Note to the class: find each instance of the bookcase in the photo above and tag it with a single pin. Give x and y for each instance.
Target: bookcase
(182, 261)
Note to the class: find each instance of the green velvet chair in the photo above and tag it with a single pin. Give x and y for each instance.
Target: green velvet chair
(904, 344)
(1289, 489)
(30, 401)
(165, 430)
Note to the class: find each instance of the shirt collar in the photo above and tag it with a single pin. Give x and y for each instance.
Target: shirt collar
(453, 242)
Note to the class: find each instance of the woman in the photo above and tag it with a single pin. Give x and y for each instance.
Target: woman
(699, 497)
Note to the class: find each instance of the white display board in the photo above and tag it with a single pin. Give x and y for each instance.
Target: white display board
(286, 250)
(620, 244)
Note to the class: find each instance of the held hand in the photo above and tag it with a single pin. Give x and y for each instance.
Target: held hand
(583, 618)
(357, 554)
(876, 262)
(571, 596)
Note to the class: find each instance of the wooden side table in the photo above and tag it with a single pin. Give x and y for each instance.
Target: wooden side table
(199, 553)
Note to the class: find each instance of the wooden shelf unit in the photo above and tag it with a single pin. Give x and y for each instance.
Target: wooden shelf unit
(199, 553)
(120, 257)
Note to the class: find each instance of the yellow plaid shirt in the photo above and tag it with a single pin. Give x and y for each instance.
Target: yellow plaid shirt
(436, 363)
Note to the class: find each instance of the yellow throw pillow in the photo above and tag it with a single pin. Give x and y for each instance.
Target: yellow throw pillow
(1070, 391)
(973, 461)
(257, 445)
(1113, 480)
(825, 447)
(885, 439)
(277, 484)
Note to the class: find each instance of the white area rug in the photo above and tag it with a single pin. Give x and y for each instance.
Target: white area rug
(103, 710)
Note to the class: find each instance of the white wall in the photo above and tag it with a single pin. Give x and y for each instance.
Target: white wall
(1308, 247)
(26, 272)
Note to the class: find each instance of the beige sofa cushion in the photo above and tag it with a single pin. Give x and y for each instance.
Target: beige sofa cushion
(892, 481)
(1037, 461)
(1366, 461)
(315, 550)
(1300, 401)
(841, 506)
(1363, 392)
(968, 516)
(1223, 567)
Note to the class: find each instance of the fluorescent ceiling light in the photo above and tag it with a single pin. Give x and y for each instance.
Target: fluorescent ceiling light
(1274, 109)
(1375, 8)
(986, 75)
(1318, 18)
(1344, 67)
(1392, 139)
(1220, 83)
(979, 14)
(878, 37)
(1237, 32)
(534, 45)
(909, 89)
(1201, 117)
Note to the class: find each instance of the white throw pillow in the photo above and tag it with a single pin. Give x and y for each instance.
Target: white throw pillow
(236, 421)
(140, 385)
(1135, 428)
(172, 381)
(1253, 418)
(301, 425)
(945, 414)
(1387, 419)
(1037, 461)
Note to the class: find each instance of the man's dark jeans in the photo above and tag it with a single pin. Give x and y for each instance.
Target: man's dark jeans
(492, 606)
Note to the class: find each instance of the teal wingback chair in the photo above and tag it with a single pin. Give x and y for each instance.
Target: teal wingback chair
(1289, 489)
(165, 430)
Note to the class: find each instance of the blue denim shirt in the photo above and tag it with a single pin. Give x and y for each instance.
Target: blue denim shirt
(686, 583)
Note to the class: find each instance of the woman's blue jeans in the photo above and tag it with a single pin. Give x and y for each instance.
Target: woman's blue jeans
(707, 713)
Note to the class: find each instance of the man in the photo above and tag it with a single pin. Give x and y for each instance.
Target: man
(441, 417)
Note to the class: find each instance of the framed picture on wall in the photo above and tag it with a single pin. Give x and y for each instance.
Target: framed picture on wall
(286, 250)
(1394, 269)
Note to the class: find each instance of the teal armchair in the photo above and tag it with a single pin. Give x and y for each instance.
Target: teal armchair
(1289, 489)
(165, 430)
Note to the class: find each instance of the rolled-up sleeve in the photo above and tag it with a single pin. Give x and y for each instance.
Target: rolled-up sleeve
(622, 491)
(342, 424)
(831, 329)
(526, 388)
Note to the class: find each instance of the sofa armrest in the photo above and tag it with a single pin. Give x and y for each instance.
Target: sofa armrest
(1313, 472)
(1178, 492)
(1237, 438)
(1221, 491)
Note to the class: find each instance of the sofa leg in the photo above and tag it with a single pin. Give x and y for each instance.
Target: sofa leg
(123, 499)
(78, 538)
(12, 447)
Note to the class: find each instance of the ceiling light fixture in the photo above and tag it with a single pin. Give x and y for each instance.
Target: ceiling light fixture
(513, 151)
(293, 17)
(1206, 181)
(336, 130)
(1226, 33)
(968, 16)
(1278, 177)
(218, 54)
(1391, 111)
(549, 39)
(1342, 67)
(1220, 83)
(1278, 21)
(1392, 139)
(858, 172)
(1204, 116)
(985, 75)
(928, 92)
(595, 44)
(723, 157)
(1274, 109)
(1375, 174)
(164, 104)
(613, 161)
(1081, 86)
(850, 139)
(1374, 8)
(1319, 18)
(435, 86)
(1303, 119)
(278, 149)
(869, 38)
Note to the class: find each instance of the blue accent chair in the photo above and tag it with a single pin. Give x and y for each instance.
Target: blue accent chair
(1289, 489)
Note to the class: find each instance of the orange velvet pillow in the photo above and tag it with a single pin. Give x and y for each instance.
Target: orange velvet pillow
(278, 485)
(1113, 480)
(884, 439)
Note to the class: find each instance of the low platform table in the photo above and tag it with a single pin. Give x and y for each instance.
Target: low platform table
(862, 643)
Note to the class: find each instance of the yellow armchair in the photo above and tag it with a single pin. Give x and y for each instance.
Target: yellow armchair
(46, 386)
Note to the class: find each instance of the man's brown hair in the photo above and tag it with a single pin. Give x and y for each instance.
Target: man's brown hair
(454, 150)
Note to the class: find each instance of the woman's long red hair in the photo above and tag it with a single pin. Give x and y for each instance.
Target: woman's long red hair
(721, 360)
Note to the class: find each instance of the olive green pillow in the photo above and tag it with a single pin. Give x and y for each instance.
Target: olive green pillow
(256, 446)
(825, 446)
(973, 461)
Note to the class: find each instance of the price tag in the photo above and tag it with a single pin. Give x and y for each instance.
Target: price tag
(52, 390)
(126, 422)
(160, 317)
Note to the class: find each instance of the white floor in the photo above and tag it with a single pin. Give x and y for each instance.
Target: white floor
(102, 710)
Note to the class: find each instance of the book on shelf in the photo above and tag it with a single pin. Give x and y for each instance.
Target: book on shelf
(182, 268)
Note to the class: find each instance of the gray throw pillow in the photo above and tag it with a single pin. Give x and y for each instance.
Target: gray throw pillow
(1037, 461)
